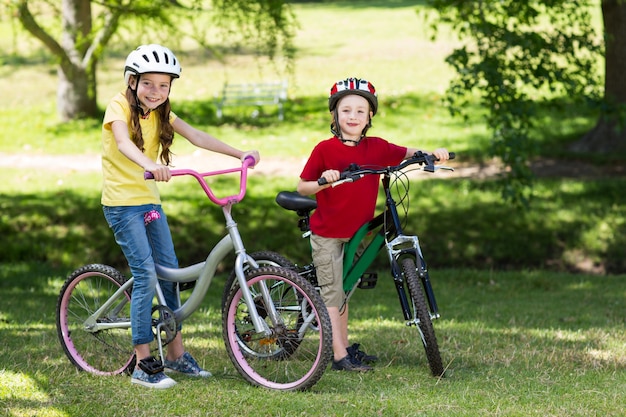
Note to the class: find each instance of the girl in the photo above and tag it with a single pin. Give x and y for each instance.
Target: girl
(138, 127)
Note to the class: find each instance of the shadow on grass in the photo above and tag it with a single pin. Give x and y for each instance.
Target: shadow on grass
(493, 321)
(461, 223)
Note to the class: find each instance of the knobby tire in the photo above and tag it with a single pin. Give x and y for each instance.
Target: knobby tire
(420, 309)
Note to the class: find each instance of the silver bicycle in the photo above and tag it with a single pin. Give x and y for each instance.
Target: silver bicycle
(276, 328)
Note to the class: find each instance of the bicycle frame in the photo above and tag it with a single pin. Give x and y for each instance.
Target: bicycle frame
(388, 234)
(391, 236)
(203, 272)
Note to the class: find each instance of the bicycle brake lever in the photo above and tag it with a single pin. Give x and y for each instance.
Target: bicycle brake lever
(433, 168)
(336, 183)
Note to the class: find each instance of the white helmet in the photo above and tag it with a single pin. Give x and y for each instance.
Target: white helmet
(151, 58)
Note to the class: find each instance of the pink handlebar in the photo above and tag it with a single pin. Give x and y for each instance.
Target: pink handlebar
(200, 176)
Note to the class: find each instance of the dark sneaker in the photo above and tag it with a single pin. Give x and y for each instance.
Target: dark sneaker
(350, 364)
(187, 365)
(359, 355)
(157, 381)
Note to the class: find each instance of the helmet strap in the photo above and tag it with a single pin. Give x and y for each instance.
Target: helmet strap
(336, 130)
(356, 142)
(137, 105)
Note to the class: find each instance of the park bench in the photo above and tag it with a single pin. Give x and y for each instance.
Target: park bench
(253, 94)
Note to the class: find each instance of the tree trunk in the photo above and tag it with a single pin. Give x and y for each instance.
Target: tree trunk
(609, 134)
(76, 94)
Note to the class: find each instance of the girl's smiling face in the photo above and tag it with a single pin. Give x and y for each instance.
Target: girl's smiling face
(354, 115)
(153, 89)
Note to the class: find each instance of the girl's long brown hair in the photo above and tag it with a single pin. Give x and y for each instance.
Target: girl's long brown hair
(166, 131)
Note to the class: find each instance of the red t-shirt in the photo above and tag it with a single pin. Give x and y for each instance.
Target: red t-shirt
(343, 209)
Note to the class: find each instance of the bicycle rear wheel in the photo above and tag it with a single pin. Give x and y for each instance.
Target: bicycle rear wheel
(298, 349)
(102, 352)
(421, 316)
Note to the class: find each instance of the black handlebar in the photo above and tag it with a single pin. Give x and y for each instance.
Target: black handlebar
(354, 172)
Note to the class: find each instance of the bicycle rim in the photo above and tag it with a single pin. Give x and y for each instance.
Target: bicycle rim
(421, 317)
(105, 352)
(297, 352)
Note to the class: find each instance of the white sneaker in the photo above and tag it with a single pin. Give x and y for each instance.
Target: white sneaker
(156, 381)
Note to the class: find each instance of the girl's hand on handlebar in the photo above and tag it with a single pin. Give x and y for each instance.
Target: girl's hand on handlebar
(159, 172)
(253, 154)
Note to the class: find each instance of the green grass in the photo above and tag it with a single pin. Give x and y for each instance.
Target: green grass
(516, 344)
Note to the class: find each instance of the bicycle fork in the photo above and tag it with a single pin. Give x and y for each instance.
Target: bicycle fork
(400, 246)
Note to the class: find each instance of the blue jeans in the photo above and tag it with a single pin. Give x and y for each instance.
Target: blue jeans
(145, 238)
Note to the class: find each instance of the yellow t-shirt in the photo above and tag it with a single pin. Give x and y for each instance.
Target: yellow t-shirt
(123, 181)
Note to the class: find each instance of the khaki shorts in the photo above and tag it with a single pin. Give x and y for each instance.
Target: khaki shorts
(327, 254)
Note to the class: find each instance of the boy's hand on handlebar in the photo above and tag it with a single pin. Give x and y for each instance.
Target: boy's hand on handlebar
(441, 154)
(331, 175)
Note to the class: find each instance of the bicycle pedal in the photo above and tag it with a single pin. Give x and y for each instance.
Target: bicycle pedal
(151, 365)
(368, 281)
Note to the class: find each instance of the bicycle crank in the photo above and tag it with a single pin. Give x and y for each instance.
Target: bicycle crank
(164, 323)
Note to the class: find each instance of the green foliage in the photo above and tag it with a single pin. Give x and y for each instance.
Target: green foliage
(266, 26)
(514, 55)
(77, 38)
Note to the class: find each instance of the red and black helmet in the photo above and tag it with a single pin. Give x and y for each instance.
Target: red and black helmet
(353, 86)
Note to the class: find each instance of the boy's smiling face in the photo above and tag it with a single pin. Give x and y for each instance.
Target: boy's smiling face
(354, 115)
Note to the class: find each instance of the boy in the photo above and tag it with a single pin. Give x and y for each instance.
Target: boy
(342, 210)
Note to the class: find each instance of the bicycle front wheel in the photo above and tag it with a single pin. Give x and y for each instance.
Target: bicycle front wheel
(262, 258)
(421, 316)
(108, 351)
(298, 348)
